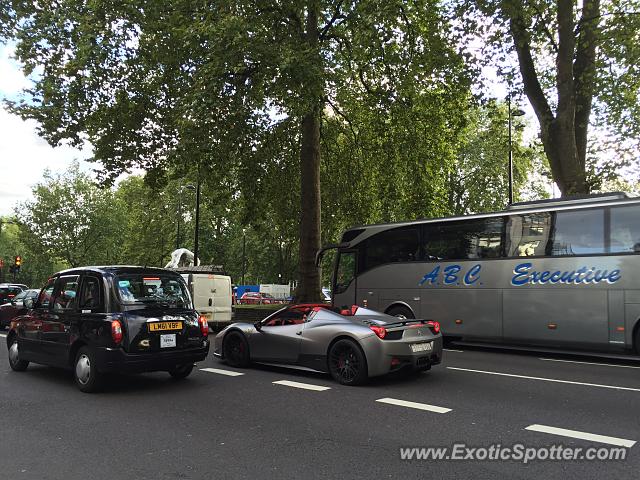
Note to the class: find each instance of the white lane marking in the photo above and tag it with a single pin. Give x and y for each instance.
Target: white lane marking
(451, 350)
(592, 437)
(587, 363)
(305, 386)
(416, 405)
(3, 335)
(229, 373)
(546, 379)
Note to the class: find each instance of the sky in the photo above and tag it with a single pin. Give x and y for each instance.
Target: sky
(23, 154)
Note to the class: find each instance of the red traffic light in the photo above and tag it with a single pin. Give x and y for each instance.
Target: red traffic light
(18, 261)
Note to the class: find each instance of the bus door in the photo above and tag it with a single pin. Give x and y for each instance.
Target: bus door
(344, 278)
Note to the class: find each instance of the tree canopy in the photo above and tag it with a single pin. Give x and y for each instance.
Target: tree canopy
(577, 62)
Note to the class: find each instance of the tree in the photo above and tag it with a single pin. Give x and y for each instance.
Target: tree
(166, 83)
(71, 220)
(573, 60)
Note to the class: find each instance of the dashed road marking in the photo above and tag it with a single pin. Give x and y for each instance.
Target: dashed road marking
(229, 373)
(555, 380)
(305, 386)
(592, 437)
(452, 350)
(3, 335)
(416, 405)
(587, 363)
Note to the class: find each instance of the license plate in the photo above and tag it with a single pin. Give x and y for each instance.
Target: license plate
(168, 340)
(421, 347)
(163, 326)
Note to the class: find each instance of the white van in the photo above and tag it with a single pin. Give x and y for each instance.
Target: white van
(210, 290)
(280, 292)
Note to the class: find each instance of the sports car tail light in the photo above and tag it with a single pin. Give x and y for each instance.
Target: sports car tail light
(116, 331)
(381, 332)
(204, 326)
(433, 325)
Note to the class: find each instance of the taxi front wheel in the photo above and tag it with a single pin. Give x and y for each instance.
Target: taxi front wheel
(15, 362)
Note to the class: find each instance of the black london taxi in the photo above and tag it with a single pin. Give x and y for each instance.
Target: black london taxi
(119, 319)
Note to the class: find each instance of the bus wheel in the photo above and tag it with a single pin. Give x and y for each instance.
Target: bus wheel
(636, 340)
(401, 312)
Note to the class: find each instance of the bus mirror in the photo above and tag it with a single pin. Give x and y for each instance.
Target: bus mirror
(320, 253)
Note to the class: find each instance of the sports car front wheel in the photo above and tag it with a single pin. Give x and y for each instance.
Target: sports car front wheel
(236, 349)
(347, 363)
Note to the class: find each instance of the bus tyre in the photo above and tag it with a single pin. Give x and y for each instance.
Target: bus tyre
(401, 312)
(636, 340)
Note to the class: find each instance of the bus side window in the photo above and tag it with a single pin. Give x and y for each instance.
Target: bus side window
(346, 271)
(481, 238)
(625, 230)
(528, 234)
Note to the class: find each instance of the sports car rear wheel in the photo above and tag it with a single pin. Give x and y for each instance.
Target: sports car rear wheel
(347, 363)
(236, 350)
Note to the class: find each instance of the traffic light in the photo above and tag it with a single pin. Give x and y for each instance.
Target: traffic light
(17, 263)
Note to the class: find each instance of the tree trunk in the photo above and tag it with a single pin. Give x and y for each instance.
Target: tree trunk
(309, 286)
(563, 135)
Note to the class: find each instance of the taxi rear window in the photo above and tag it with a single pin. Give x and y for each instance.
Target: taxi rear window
(153, 290)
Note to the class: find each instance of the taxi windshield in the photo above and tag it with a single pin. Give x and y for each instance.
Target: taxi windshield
(153, 290)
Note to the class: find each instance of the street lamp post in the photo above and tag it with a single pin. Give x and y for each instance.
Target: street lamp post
(195, 243)
(515, 113)
(244, 252)
(179, 219)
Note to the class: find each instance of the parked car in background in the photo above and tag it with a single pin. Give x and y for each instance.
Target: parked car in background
(95, 320)
(15, 307)
(257, 298)
(8, 291)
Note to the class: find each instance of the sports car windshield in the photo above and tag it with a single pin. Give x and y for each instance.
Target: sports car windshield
(153, 290)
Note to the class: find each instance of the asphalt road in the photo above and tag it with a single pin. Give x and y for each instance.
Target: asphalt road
(217, 426)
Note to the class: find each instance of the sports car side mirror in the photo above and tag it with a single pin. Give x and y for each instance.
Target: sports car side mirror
(258, 325)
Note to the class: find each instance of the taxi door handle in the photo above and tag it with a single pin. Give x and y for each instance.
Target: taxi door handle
(299, 333)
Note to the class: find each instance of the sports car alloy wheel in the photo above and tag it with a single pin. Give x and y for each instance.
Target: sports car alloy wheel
(347, 363)
(236, 350)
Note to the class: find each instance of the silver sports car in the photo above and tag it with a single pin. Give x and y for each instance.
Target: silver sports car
(352, 345)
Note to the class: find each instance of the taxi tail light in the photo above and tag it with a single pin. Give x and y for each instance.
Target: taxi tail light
(204, 326)
(116, 331)
(434, 326)
(381, 332)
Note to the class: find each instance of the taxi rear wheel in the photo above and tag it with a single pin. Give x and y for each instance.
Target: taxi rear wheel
(181, 371)
(15, 363)
(85, 373)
